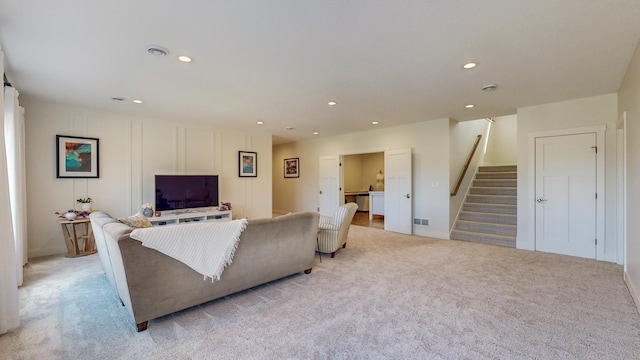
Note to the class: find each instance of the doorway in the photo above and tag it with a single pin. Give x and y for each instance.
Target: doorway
(396, 197)
(566, 195)
(364, 173)
(568, 192)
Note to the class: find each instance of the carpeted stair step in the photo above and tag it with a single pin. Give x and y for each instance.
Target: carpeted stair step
(490, 208)
(498, 168)
(489, 212)
(494, 190)
(492, 199)
(509, 241)
(503, 219)
(486, 228)
(496, 175)
(496, 183)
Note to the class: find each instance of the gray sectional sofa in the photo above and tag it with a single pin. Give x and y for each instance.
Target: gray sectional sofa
(151, 284)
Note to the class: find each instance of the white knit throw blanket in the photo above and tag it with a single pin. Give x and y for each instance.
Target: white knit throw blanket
(206, 247)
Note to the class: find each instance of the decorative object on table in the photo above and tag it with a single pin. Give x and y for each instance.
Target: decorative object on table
(224, 206)
(147, 209)
(85, 203)
(292, 168)
(248, 164)
(380, 181)
(72, 214)
(158, 213)
(76, 157)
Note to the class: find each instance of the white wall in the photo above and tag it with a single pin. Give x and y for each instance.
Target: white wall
(429, 141)
(132, 150)
(463, 136)
(360, 171)
(592, 111)
(352, 173)
(372, 164)
(502, 146)
(629, 104)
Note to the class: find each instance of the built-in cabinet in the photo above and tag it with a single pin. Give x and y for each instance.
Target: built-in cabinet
(360, 198)
(376, 203)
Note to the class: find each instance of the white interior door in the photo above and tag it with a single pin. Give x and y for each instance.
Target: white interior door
(398, 195)
(566, 194)
(331, 193)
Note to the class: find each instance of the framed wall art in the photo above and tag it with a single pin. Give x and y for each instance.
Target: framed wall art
(248, 164)
(292, 168)
(77, 157)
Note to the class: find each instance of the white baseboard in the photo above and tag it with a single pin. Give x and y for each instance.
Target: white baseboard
(633, 290)
(421, 231)
(54, 250)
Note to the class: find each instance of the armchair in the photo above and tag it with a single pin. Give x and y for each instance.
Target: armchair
(334, 229)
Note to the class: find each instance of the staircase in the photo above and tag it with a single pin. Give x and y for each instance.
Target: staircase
(489, 212)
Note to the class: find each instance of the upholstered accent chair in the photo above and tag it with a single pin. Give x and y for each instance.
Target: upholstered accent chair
(333, 230)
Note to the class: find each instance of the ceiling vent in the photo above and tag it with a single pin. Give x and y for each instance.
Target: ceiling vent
(489, 87)
(156, 50)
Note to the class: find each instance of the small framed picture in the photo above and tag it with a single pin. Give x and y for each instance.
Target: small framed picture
(248, 164)
(77, 157)
(292, 168)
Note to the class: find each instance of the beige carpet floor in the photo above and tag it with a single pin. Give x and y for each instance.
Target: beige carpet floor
(386, 296)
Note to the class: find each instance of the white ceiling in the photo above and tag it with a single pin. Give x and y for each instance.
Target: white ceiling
(281, 61)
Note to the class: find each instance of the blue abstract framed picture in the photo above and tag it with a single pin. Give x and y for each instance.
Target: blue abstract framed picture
(76, 157)
(248, 164)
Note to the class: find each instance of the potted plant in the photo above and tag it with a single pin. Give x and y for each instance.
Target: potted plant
(85, 203)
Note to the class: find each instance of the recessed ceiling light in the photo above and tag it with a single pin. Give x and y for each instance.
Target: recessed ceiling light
(184, 58)
(332, 103)
(469, 106)
(374, 123)
(259, 122)
(315, 133)
(157, 50)
(470, 65)
(137, 101)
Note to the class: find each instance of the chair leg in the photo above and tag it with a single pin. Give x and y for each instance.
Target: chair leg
(333, 254)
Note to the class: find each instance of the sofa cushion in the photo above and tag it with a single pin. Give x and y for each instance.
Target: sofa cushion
(136, 221)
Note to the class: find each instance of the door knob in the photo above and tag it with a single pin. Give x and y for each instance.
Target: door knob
(540, 200)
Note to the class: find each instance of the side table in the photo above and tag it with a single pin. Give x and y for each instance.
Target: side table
(72, 237)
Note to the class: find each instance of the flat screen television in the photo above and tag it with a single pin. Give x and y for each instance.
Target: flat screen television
(177, 192)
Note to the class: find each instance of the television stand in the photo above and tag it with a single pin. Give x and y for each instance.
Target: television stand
(185, 217)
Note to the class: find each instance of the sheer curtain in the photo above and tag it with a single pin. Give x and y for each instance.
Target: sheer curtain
(9, 311)
(15, 145)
